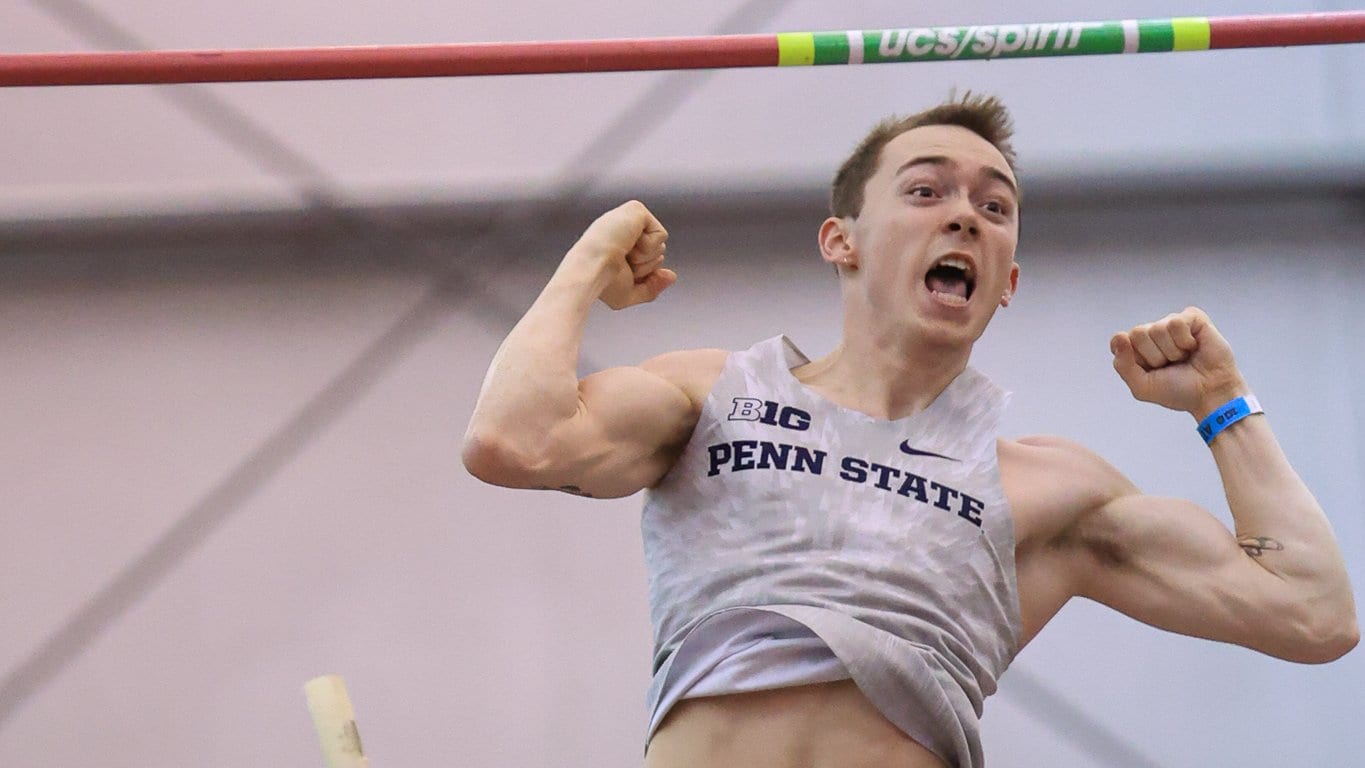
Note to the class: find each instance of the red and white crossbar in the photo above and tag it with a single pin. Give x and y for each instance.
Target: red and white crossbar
(941, 43)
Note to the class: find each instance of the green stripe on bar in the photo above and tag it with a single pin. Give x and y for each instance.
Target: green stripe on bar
(1155, 35)
(993, 42)
(831, 48)
(1191, 34)
(795, 49)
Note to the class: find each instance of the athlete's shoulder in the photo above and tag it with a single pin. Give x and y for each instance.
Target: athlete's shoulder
(694, 371)
(1054, 481)
(1066, 461)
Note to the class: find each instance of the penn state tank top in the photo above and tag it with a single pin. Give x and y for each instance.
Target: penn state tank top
(890, 540)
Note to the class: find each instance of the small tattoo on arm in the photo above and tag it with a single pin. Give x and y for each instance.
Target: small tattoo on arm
(1259, 545)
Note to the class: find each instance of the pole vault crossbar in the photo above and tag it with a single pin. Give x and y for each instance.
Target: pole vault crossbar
(999, 41)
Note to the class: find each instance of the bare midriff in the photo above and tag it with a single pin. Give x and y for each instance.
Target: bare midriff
(828, 725)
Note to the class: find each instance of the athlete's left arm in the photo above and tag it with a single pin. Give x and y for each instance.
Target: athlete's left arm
(1279, 583)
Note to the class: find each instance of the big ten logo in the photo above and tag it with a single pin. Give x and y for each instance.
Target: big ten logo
(770, 413)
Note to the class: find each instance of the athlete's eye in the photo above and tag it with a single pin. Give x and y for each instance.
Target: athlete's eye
(994, 206)
(921, 191)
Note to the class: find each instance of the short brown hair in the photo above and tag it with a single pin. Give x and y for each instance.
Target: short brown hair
(985, 116)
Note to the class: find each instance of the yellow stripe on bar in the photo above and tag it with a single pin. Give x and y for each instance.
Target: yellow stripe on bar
(1191, 34)
(795, 49)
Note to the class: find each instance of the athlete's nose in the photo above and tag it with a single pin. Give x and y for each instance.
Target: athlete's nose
(962, 216)
(963, 222)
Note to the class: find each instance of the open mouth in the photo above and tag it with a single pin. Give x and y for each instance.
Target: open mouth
(951, 280)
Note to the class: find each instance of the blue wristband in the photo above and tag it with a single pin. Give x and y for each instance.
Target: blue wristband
(1226, 415)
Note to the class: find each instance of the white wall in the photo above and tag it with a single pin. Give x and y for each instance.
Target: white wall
(168, 407)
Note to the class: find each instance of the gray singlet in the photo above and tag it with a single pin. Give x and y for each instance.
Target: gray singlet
(890, 540)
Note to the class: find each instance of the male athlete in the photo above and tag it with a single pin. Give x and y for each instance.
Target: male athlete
(844, 555)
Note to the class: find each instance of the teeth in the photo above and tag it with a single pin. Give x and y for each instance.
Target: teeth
(956, 263)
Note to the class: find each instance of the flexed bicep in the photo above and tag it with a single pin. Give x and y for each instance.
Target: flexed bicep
(1170, 563)
(629, 425)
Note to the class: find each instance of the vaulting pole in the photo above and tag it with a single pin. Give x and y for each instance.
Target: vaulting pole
(1002, 41)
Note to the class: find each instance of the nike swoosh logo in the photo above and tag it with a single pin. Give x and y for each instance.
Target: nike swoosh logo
(910, 451)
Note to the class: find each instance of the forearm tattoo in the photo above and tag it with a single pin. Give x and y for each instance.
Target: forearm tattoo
(1259, 545)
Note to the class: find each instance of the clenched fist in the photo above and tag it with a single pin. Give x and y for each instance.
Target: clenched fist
(1181, 361)
(628, 244)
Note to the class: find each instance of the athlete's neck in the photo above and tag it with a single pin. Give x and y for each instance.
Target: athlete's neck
(886, 378)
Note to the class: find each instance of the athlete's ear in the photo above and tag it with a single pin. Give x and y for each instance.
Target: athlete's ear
(1013, 287)
(836, 245)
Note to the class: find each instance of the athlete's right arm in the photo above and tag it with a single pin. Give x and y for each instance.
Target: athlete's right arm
(613, 433)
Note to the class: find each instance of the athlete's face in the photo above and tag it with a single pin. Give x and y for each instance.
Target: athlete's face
(933, 247)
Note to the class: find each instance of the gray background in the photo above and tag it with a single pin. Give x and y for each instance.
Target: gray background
(242, 329)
